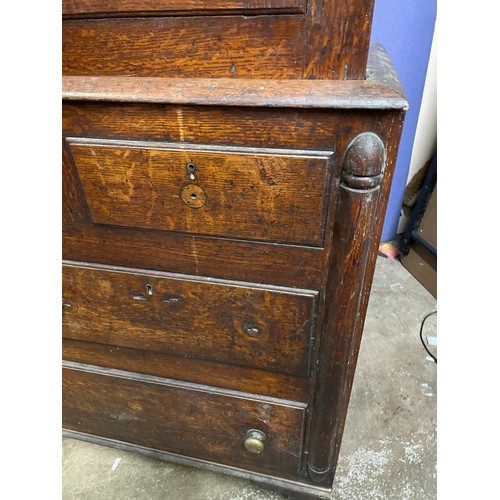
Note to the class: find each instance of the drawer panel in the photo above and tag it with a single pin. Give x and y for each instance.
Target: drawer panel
(278, 196)
(282, 265)
(235, 323)
(237, 378)
(103, 7)
(195, 46)
(188, 419)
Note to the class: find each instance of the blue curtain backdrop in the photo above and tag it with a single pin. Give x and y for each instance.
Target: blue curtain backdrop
(405, 28)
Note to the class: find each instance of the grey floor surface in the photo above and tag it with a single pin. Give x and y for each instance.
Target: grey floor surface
(389, 446)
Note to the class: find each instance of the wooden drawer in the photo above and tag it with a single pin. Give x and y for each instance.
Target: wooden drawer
(237, 323)
(253, 194)
(188, 419)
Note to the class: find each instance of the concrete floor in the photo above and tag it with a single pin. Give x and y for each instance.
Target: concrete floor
(389, 446)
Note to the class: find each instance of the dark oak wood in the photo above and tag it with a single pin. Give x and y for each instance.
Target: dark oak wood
(311, 285)
(353, 229)
(188, 126)
(277, 195)
(326, 94)
(88, 8)
(73, 204)
(205, 46)
(179, 417)
(338, 38)
(195, 255)
(238, 378)
(325, 39)
(221, 125)
(238, 323)
(357, 228)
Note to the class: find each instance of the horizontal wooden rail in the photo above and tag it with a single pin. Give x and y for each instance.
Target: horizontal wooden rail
(350, 94)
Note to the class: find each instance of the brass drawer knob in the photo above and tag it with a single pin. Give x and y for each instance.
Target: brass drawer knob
(254, 442)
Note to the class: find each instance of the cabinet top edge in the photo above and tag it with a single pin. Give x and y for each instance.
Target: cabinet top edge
(380, 90)
(348, 94)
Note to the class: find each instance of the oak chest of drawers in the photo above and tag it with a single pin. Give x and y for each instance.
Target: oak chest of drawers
(220, 230)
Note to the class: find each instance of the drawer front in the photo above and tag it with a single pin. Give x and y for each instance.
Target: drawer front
(103, 7)
(186, 419)
(278, 196)
(244, 325)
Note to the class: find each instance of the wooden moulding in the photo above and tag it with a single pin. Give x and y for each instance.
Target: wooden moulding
(293, 489)
(363, 165)
(105, 8)
(367, 168)
(159, 364)
(380, 90)
(353, 94)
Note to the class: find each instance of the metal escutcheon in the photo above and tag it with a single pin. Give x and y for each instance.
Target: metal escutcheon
(193, 196)
(254, 443)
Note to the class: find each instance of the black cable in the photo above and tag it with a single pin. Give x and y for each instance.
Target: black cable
(422, 338)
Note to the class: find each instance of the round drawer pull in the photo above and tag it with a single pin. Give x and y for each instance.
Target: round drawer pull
(254, 443)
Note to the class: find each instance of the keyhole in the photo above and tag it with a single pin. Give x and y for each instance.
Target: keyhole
(149, 289)
(193, 196)
(191, 167)
(252, 329)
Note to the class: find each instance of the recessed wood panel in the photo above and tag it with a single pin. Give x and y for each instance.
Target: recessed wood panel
(288, 265)
(188, 419)
(269, 196)
(240, 324)
(199, 46)
(238, 378)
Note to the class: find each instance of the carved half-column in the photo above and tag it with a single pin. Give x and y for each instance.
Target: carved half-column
(353, 231)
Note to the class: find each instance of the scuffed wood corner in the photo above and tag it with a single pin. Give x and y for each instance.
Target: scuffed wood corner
(381, 70)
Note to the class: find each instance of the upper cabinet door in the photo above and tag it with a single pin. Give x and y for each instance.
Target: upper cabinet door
(269, 39)
(124, 7)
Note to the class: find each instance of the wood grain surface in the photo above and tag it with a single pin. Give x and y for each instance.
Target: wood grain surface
(270, 93)
(238, 324)
(356, 232)
(338, 39)
(270, 196)
(195, 255)
(202, 46)
(238, 378)
(289, 128)
(90, 8)
(194, 420)
(232, 281)
(318, 39)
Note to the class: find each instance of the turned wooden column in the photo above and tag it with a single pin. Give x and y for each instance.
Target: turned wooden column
(353, 232)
